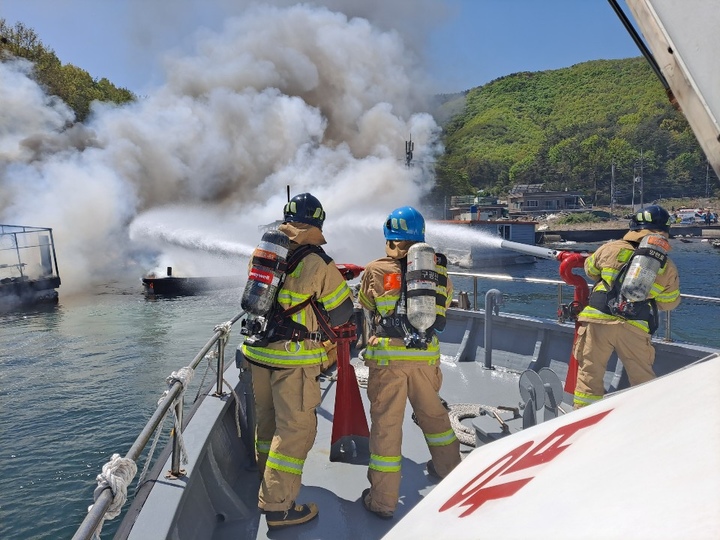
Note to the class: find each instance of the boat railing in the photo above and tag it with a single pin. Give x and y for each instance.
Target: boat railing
(20, 244)
(666, 315)
(107, 493)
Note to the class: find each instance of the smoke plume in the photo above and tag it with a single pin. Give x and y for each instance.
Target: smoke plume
(299, 95)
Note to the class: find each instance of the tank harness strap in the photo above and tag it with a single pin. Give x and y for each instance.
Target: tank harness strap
(397, 325)
(283, 328)
(441, 294)
(610, 302)
(654, 253)
(394, 324)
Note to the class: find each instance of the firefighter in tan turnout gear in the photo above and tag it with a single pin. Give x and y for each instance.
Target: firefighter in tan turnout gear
(404, 360)
(285, 358)
(634, 279)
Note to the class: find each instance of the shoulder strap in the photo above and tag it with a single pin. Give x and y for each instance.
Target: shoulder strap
(292, 262)
(303, 251)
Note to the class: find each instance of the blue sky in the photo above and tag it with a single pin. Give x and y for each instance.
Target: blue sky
(464, 43)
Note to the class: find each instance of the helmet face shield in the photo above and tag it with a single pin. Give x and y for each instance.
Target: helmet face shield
(405, 223)
(653, 218)
(304, 208)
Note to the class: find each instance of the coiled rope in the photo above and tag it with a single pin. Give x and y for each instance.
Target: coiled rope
(117, 474)
(460, 411)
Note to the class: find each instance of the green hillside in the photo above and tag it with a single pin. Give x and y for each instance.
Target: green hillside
(73, 85)
(565, 128)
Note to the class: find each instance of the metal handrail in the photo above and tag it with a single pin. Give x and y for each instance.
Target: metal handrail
(103, 495)
(505, 277)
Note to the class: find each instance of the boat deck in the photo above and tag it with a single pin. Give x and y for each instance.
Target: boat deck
(217, 497)
(335, 486)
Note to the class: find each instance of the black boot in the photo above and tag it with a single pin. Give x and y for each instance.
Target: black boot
(296, 515)
(384, 514)
(430, 468)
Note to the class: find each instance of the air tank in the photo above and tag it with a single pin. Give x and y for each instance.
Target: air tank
(422, 279)
(268, 264)
(644, 267)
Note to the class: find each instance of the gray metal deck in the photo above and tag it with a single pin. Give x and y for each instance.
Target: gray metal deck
(217, 499)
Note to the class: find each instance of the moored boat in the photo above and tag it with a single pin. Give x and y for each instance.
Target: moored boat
(28, 267)
(170, 285)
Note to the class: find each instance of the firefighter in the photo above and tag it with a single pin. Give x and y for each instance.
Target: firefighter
(603, 329)
(286, 362)
(398, 372)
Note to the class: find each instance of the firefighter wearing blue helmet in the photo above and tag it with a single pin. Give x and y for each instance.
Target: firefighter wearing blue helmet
(285, 362)
(625, 327)
(397, 371)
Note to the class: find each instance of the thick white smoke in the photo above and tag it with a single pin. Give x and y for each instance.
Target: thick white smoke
(299, 96)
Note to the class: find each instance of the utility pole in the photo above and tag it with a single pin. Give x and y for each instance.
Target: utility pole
(612, 187)
(707, 179)
(641, 181)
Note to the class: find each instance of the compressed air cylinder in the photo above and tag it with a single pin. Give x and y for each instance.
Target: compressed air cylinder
(268, 264)
(644, 267)
(422, 279)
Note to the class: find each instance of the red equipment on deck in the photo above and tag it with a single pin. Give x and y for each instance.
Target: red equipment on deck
(568, 261)
(350, 432)
(350, 437)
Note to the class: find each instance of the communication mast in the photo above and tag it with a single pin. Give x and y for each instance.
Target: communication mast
(409, 147)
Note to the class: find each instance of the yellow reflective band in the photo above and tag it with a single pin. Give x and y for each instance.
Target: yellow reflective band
(283, 358)
(609, 275)
(366, 302)
(387, 464)
(581, 399)
(383, 352)
(440, 439)
(262, 446)
(285, 463)
(337, 297)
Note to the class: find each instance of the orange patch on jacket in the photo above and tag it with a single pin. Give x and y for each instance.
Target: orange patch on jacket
(392, 281)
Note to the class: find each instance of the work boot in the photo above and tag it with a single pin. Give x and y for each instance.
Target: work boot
(365, 498)
(296, 515)
(430, 468)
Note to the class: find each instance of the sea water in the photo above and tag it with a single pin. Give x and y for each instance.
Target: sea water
(79, 381)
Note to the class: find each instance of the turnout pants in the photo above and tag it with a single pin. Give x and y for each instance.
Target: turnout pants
(388, 389)
(595, 343)
(286, 426)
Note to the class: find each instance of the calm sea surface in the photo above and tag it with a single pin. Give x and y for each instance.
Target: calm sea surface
(79, 381)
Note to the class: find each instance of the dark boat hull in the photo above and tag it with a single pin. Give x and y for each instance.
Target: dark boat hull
(169, 286)
(16, 292)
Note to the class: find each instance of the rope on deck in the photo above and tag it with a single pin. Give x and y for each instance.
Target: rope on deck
(460, 411)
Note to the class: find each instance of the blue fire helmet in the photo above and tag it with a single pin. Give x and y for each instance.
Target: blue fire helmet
(304, 208)
(652, 218)
(405, 223)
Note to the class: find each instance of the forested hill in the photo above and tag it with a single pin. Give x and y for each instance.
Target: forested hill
(565, 128)
(73, 85)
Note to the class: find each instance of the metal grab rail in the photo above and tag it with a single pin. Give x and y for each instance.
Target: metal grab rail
(504, 277)
(104, 496)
